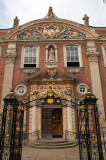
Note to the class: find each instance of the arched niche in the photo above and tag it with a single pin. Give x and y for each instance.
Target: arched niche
(51, 55)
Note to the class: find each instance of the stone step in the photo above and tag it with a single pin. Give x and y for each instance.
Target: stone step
(54, 140)
(52, 144)
(53, 147)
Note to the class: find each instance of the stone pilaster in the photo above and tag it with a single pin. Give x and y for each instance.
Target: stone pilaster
(9, 68)
(34, 119)
(64, 111)
(93, 56)
(69, 114)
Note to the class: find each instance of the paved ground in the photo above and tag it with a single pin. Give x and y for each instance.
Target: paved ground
(29, 153)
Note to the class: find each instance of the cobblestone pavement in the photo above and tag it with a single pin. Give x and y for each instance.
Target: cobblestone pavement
(29, 153)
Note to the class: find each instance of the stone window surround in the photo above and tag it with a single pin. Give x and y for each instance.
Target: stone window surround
(79, 51)
(22, 57)
(47, 47)
(20, 85)
(104, 55)
(82, 85)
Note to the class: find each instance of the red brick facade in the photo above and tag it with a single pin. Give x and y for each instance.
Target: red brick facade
(82, 76)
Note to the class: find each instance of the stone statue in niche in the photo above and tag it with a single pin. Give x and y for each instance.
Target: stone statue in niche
(51, 55)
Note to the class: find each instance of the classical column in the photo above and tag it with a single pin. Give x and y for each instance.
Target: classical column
(93, 55)
(9, 68)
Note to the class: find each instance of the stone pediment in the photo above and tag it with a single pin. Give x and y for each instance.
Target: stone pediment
(51, 76)
(51, 29)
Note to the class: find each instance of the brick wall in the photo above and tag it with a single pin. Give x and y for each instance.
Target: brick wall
(20, 77)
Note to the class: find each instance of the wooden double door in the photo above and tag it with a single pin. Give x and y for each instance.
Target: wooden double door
(52, 123)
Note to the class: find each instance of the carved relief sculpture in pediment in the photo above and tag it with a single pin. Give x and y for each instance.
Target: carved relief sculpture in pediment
(52, 31)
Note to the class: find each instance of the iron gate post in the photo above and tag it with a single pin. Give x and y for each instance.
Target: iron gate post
(99, 142)
(11, 129)
(88, 143)
(2, 134)
(90, 101)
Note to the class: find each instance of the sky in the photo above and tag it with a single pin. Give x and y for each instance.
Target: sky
(74, 10)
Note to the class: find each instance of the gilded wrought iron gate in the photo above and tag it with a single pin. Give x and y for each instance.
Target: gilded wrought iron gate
(92, 145)
(89, 131)
(11, 129)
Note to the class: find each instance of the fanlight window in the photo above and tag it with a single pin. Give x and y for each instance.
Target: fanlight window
(30, 56)
(72, 56)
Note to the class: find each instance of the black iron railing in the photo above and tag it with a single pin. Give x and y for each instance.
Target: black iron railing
(30, 138)
(103, 139)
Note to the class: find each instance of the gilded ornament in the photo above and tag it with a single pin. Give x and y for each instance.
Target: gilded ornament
(90, 107)
(50, 101)
(42, 101)
(10, 107)
(68, 103)
(55, 96)
(58, 101)
(93, 136)
(83, 128)
(19, 107)
(50, 94)
(7, 135)
(17, 129)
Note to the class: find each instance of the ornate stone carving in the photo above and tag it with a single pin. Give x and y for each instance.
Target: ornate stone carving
(51, 31)
(52, 72)
(16, 22)
(86, 20)
(92, 54)
(10, 55)
(52, 90)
